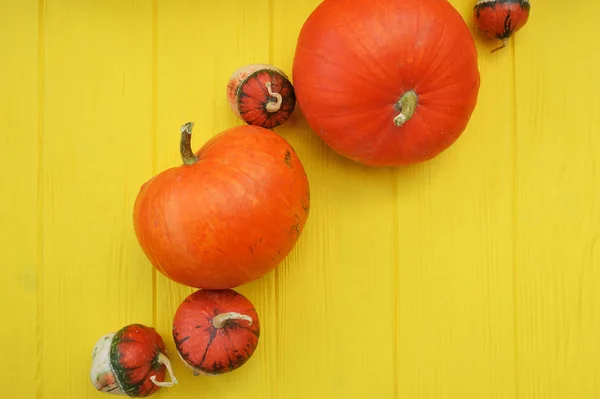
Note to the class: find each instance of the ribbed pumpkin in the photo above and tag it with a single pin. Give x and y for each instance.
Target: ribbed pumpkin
(227, 215)
(261, 95)
(131, 361)
(385, 82)
(500, 19)
(215, 331)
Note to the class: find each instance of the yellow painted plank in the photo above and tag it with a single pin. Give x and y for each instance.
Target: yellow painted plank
(558, 208)
(19, 253)
(470, 276)
(336, 294)
(97, 148)
(454, 226)
(198, 47)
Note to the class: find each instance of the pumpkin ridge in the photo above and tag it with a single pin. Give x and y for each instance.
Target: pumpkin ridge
(241, 88)
(370, 104)
(233, 175)
(117, 369)
(354, 110)
(350, 110)
(370, 56)
(257, 334)
(286, 202)
(352, 136)
(426, 124)
(436, 77)
(240, 361)
(182, 340)
(133, 368)
(211, 339)
(413, 48)
(137, 391)
(259, 118)
(436, 63)
(230, 365)
(185, 356)
(263, 119)
(432, 75)
(507, 27)
(379, 136)
(369, 83)
(249, 104)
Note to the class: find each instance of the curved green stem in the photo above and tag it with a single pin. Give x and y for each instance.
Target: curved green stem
(406, 106)
(185, 145)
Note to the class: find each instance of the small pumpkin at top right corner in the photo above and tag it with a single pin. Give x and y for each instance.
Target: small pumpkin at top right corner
(500, 19)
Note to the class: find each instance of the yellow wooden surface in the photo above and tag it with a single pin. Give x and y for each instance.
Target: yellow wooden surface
(474, 275)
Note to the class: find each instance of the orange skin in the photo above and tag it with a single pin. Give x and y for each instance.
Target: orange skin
(355, 62)
(229, 217)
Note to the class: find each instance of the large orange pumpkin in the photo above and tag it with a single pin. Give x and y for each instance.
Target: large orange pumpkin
(386, 82)
(229, 214)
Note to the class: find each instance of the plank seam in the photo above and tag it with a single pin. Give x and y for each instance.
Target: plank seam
(271, 39)
(40, 200)
(395, 283)
(154, 130)
(515, 229)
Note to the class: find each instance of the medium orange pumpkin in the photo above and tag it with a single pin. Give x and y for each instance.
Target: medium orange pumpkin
(386, 82)
(229, 214)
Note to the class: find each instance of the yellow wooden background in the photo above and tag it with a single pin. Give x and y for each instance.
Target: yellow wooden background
(475, 275)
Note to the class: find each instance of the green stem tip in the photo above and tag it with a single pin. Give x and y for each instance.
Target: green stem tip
(185, 145)
(406, 106)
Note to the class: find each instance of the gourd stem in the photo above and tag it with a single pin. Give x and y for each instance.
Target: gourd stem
(162, 359)
(185, 145)
(504, 43)
(221, 319)
(406, 106)
(273, 106)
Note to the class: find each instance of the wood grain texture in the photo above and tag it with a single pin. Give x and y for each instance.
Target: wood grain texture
(97, 99)
(339, 276)
(454, 232)
(469, 276)
(558, 207)
(19, 198)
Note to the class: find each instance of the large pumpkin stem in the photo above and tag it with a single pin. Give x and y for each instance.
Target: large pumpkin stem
(185, 145)
(406, 106)
(273, 106)
(221, 319)
(162, 359)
